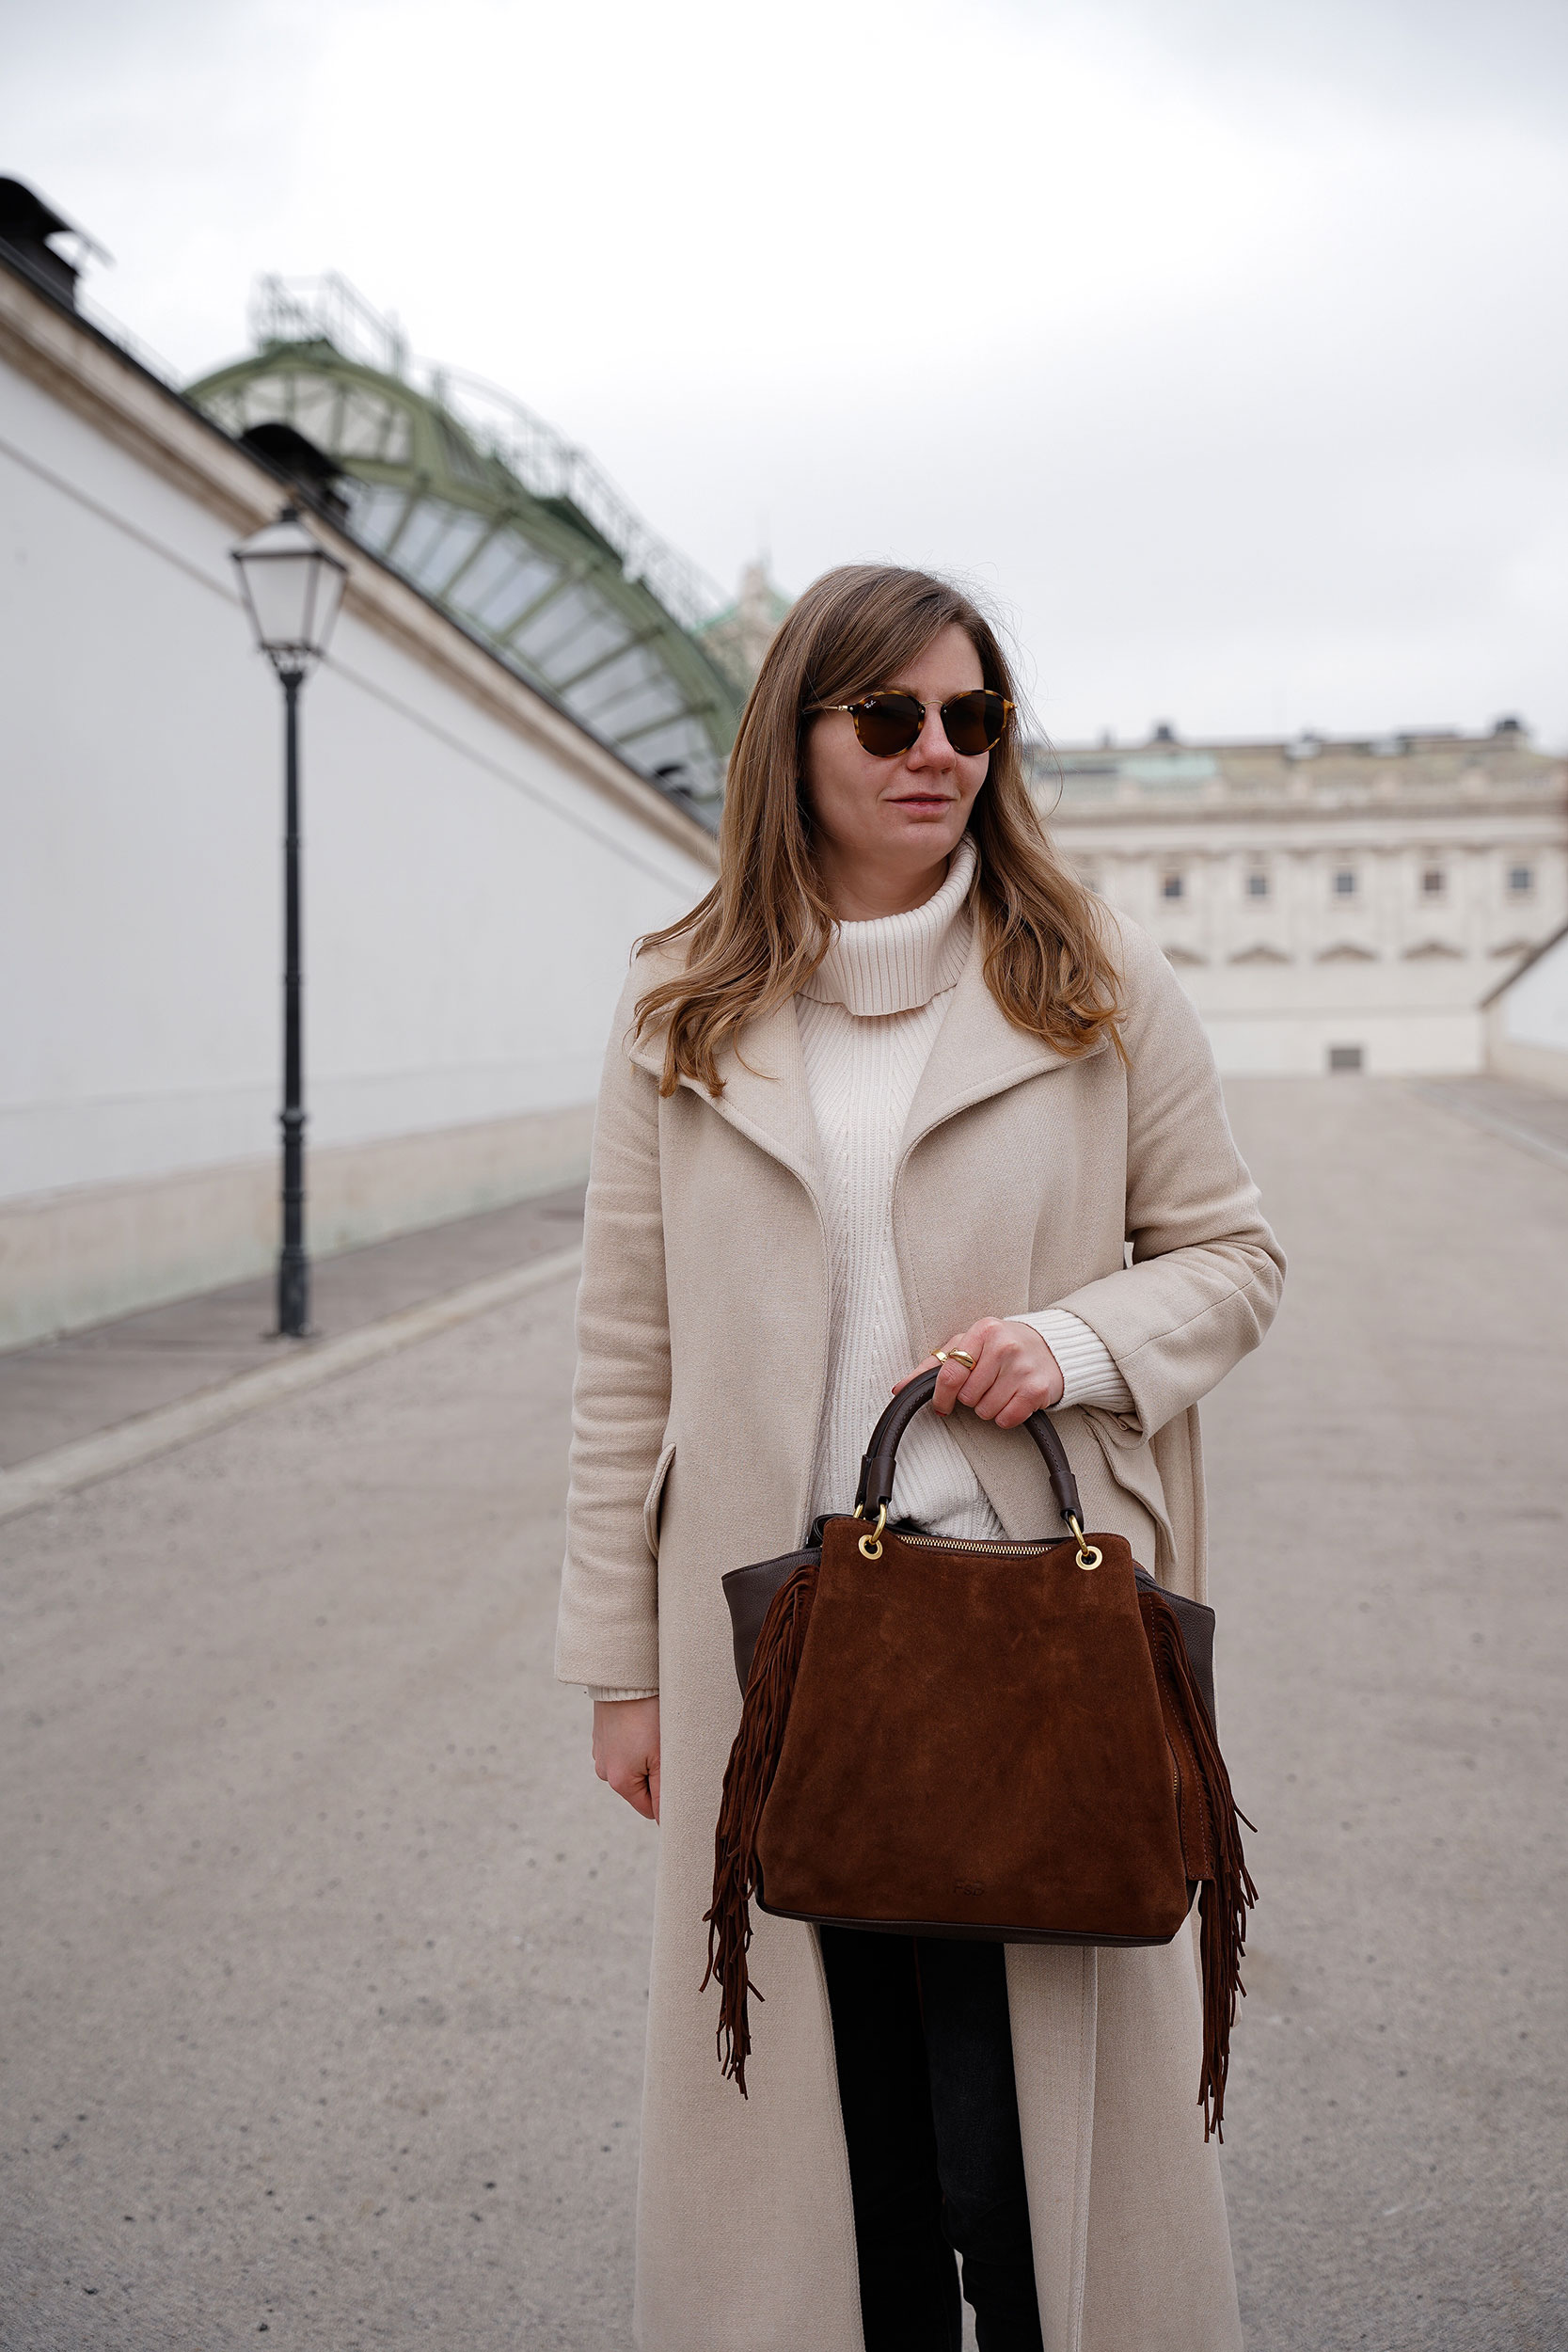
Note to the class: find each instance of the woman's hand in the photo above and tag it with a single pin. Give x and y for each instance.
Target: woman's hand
(625, 1750)
(1015, 1373)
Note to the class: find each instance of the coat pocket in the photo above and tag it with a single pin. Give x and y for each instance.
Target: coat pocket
(1134, 1470)
(654, 1498)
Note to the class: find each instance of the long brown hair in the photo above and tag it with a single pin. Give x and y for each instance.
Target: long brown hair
(766, 925)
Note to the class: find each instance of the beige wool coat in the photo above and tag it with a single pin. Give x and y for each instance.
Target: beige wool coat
(702, 1329)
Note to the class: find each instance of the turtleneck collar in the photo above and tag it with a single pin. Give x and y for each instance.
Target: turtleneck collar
(900, 960)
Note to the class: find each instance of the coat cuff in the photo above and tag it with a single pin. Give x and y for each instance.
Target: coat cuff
(597, 1691)
(1088, 1368)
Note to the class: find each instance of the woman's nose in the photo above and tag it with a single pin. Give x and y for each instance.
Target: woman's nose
(932, 748)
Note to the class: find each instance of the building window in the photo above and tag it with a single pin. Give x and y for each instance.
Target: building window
(1257, 884)
(1344, 882)
(1173, 885)
(1344, 1056)
(1521, 881)
(1434, 881)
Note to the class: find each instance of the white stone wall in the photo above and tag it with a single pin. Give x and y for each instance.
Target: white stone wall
(471, 892)
(1528, 1021)
(1534, 1006)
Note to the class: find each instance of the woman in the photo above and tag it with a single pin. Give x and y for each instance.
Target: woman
(897, 1084)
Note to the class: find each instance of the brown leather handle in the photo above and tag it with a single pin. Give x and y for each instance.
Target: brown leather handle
(875, 1487)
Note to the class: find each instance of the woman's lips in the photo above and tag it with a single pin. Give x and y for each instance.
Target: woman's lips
(922, 800)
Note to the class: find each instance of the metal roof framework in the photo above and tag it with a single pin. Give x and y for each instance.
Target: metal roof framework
(501, 521)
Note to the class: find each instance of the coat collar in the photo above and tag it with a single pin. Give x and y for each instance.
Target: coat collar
(766, 1096)
(977, 1053)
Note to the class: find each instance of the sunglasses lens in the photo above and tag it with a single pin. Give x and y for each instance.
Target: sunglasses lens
(974, 722)
(887, 723)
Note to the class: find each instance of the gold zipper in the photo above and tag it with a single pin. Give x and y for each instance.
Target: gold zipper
(999, 1548)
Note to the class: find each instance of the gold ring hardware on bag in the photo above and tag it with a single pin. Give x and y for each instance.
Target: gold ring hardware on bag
(871, 1543)
(1089, 1555)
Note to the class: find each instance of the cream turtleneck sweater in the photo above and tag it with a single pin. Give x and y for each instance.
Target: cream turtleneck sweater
(868, 1017)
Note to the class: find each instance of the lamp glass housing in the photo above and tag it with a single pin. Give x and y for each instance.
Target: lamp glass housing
(292, 587)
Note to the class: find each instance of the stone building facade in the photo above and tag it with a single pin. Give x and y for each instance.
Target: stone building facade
(1328, 903)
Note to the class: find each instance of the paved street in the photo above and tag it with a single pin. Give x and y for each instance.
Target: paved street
(321, 1952)
(1390, 1539)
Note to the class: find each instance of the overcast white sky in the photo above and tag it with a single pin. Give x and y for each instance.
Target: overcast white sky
(1221, 343)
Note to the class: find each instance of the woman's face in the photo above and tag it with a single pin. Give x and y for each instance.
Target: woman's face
(893, 819)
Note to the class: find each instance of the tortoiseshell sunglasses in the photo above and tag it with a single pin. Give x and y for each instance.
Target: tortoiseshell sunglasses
(889, 724)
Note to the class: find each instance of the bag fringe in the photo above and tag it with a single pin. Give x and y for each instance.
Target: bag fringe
(1226, 1895)
(748, 1778)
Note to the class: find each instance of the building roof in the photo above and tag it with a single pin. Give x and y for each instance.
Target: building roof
(1170, 777)
(499, 521)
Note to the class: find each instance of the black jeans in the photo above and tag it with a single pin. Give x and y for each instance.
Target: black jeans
(925, 2059)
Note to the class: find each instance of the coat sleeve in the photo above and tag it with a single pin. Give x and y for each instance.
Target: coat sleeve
(608, 1629)
(1206, 1272)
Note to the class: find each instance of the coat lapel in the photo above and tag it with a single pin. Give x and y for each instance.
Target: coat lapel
(766, 1097)
(978, 1053)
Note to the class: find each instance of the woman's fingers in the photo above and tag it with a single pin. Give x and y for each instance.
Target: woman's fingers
(626, 1751)
(1014, 1373)
(953, 1378)
(971, 1383)
(1030, 1397)
(950, 1376)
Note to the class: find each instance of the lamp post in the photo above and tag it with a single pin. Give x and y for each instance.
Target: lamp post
(292, 589)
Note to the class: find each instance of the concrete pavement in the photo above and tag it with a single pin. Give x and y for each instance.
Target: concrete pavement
(1390, 1536)
(322, 1951)
(322, 1954)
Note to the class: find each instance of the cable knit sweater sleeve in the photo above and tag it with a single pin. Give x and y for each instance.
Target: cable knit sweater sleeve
(1088, 1368)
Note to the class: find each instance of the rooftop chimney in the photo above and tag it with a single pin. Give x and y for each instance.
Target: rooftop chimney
(26, 226)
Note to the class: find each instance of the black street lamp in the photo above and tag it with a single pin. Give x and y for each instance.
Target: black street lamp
(292, 588)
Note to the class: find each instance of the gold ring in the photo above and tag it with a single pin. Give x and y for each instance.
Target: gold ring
(956, 1356)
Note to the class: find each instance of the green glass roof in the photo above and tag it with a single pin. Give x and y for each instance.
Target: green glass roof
(502, 523)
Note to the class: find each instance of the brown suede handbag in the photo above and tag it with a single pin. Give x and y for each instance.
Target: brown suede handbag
(1009, 1740)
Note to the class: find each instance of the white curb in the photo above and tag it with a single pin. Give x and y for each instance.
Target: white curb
(68, 1467)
